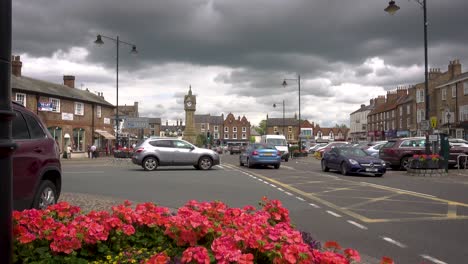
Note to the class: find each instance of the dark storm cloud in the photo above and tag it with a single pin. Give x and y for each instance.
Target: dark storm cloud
(238, 33)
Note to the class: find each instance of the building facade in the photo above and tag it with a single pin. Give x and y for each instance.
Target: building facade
(358, 122)
(236, 130)
(76, 118)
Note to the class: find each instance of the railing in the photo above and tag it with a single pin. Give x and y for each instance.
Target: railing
(462, 163)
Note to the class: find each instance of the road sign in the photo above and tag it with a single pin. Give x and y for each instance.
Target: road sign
(434, 121)
(425, 125)
(432, 138)
(136, 122)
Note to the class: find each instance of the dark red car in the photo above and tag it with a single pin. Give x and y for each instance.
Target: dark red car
(397, 152)
(37, 174)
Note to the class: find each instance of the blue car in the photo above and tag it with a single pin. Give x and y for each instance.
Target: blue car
(349, 160)
(260, 154)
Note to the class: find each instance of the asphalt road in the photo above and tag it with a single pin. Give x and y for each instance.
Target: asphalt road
(411, 219)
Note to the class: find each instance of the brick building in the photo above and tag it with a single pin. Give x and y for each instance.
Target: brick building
(210, 125)
(451, 103)
(236, 130)
(77, 118)
(358, 122)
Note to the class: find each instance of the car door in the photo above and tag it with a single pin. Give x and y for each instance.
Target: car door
(184, 153)
(333, 158)
(164, 151)
(245, 154)
(30, 155)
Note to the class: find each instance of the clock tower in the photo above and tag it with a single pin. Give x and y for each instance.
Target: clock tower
(190, 102)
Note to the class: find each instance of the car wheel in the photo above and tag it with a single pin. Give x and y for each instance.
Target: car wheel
(378, 175)
(150, 164)
(324, 166)
(277, 166)
(46, 195)
(205, 163)
(196, 167)
(248, 163)
(240, 162)
(404, 163)
(344, 170)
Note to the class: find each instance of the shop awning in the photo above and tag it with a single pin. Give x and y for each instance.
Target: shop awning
(105, 134)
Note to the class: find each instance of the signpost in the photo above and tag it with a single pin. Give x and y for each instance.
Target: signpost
(136, 122)
(425, 125)
(434, 121)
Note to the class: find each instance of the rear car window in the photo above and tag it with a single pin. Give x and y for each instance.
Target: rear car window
(161, 143)
(265, 147)
(34, 128)
(19, 127)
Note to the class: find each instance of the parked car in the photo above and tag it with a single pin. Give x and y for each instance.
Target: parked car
(374, 150)
(458, 142)
(37, 173)
(397, 152)
(235, 149)
(329, 146)
(260, 154)
(314, 148)
(349, 160)
(159, 151)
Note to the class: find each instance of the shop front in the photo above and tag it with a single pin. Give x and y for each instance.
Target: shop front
(103, 140)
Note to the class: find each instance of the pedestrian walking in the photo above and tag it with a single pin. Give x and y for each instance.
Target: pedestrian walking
(89, 151)
(69, 151)
(93, 152)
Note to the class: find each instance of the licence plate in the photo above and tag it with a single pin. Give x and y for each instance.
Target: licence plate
(371, 169)
(268, 154)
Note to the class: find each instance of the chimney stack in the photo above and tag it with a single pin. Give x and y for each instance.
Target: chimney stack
(16, 65)
(454, 68)
(181, 122)
(391, 95)
(69, 80)
(401, 91)
(363, 105)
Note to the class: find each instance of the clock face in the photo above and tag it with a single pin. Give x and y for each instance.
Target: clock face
(189, 103)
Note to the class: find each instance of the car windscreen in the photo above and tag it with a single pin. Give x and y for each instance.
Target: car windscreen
(389, 144)
(276, 141)
(352, 152)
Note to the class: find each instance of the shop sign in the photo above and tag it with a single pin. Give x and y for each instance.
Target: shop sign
(67, 116)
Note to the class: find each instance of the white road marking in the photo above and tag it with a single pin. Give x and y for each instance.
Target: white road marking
(389, 240)
(287, 167)
(288, 193)
(280, 189)
(254, 177)
(356, 224)
(272, 185)
(396, 189)
(333, 213)
(259, 179)
(81, 172)
(433, 259)
(300, 198)
(314, 205)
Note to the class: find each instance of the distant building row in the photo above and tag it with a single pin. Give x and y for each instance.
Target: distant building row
(289, 127)
(400, 112)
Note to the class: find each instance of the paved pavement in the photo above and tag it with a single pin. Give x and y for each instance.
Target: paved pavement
(412, 219)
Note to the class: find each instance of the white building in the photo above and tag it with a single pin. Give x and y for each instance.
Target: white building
(358, 122)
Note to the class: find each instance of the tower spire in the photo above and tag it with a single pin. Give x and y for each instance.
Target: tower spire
(190, 90)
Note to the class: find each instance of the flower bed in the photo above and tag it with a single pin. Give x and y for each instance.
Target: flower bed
(425, 162)
(200, 232)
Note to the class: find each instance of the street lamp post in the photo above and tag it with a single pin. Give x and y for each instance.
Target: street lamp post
(391, 9)
(274, 105)
(298, 79)
(7, 146)
(117, 41)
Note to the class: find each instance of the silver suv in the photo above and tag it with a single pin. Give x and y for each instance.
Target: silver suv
(159, 151)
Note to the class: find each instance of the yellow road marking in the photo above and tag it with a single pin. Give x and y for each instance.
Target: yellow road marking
(398, 212)
(335, 190)
(452, 210)
(449, 216)
(371, 201)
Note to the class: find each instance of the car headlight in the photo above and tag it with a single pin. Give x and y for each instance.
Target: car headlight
(353, 162)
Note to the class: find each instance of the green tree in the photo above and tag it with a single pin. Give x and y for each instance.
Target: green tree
(261, 128)
(201, 140)
(341, 126)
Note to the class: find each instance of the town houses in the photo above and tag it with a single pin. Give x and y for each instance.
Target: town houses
(402, 111)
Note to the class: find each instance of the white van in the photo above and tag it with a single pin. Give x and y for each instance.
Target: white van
(279, 141)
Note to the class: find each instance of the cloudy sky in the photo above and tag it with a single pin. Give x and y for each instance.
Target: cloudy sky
(236, 53)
